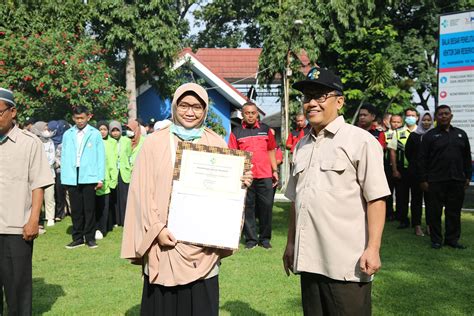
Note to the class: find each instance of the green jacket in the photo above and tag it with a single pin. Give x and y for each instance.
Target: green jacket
(110, 165)
(122, 150)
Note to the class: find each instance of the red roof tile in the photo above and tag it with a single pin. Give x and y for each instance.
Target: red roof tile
(237, 63)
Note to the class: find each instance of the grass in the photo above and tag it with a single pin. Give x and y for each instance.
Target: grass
(414, 280)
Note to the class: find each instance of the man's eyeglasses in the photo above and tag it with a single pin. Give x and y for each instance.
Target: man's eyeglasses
(184, 107)
(318, 97)
(3, 111)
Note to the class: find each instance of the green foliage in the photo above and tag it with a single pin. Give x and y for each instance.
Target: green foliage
(227, 24)
(383, 50)
(214, 122)
(153, 29)
(53, 71)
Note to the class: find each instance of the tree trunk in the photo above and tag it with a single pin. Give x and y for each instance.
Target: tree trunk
(131, 85)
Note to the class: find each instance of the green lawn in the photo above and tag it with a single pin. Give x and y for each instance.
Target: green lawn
(414, 280)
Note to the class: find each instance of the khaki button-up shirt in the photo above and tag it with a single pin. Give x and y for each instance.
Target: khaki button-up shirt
(335, 174)
(23, 168)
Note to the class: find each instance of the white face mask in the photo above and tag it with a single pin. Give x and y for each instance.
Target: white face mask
(46, 134)
(130, 134)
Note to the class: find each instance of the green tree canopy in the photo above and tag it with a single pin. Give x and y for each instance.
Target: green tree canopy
(52, 66)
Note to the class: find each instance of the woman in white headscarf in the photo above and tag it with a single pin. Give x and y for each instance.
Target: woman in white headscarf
(179, 279)
(411, 152)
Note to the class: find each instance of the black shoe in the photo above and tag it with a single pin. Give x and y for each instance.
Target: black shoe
(250, 245)
(91, 244)
(435, 245)
(266, 244)
(75, 244)
(456, 245)
(403, 226)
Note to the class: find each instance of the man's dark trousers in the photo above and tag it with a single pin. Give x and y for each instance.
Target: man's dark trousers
(15, 273)
(450, 195)
(322, 296)
(402, 196)
(82, 198)
(403, 187)
(259, 204)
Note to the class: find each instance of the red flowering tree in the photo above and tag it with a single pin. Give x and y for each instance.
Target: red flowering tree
(54, 71)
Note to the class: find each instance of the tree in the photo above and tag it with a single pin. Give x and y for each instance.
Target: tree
(51, 66)
(143, 34)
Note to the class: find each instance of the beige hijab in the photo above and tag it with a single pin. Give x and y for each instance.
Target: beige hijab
(147, 214)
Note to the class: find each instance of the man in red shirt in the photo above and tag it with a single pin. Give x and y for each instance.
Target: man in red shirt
(301, 130)
(367, 114)
(256, 137)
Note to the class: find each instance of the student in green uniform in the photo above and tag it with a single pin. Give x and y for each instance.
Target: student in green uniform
(121, 174)
(103, 194)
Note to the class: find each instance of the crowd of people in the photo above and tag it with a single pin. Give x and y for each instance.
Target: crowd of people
(423, 151)
(341, 186)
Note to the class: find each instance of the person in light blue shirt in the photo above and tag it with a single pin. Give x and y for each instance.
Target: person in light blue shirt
(82, 172)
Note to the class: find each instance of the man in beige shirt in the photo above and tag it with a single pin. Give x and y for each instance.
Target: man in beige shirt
(338, 189)
(24, 173)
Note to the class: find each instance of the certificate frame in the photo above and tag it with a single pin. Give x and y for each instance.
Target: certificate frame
(183, 146)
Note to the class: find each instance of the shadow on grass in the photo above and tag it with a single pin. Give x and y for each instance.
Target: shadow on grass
(45, 295)
(69, 230)
(240, 308)
(135, 310)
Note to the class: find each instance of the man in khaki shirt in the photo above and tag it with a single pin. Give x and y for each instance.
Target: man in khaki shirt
(24, 173)
(338, 189)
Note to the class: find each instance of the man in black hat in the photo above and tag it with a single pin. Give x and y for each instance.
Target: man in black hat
(24, 173)
(338, 189)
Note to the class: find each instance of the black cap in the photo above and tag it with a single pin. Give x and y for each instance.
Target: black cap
(319, 77)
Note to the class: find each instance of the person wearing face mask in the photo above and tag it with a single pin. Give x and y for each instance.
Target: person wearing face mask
(399, 164)
(41, 130)
(134, 132)
(178, 278)
(411, 153)
(120, 177)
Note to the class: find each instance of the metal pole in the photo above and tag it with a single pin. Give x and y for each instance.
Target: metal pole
(284, 124)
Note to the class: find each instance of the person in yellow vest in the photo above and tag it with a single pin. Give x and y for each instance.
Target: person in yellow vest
(396, 121)
(103, 194)
(399, 165)
(121, 174)
(135, 134)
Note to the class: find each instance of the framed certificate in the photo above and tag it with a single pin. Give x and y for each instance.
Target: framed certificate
(207, 199)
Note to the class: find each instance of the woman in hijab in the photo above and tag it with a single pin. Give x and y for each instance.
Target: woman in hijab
(41, 130)
(179, 279)
(134, 132)
(57, 129)
(411, 152)
(103, 194)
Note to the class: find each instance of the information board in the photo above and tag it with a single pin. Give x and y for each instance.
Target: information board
(456, 69)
